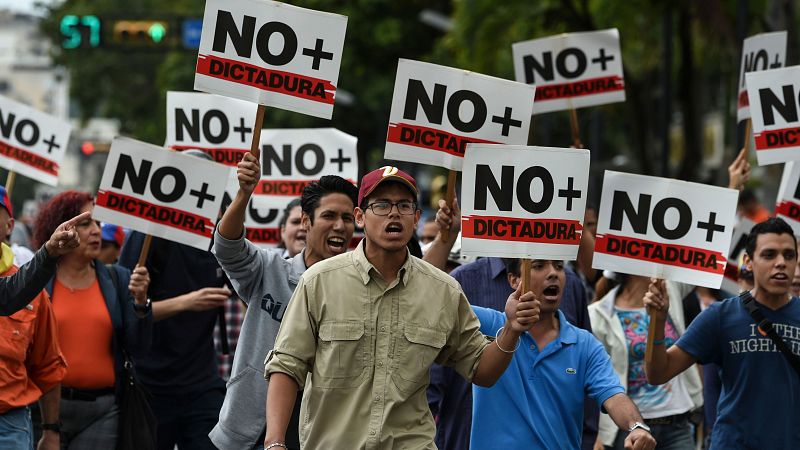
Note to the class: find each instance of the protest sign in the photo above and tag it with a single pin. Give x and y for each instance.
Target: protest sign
(271, 53)
(523, 202)
(262, 217)
(220, 126)
(773, 108)
(161, 193)
(664, 228)
(436, 111)
(760, 52)
(32, 143)
(572, 70)
(788, 202)
(730, 280)
(293, 158)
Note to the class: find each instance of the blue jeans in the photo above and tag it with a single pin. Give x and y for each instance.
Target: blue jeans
(16, 431)
(675, 436)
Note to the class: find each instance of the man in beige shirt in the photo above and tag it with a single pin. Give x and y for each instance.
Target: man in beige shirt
(363, 328)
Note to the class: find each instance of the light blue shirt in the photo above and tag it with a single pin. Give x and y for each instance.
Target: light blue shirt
(538, 401)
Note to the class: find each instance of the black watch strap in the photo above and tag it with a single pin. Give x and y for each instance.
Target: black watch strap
(143, 308)
(55, 426)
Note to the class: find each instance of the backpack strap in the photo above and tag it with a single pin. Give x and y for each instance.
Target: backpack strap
(766, 328)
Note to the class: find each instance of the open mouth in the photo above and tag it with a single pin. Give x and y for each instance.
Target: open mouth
(394, 229)
(336, 244)
(551, 292)
(780, 277)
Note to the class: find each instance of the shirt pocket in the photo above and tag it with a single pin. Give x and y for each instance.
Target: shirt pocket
(417, 349)
(340, 359)
(16, 333)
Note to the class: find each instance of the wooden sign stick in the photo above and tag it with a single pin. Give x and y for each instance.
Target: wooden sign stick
(255, 149)
(525, 273)
(148, 239)
(748, 128)
(576, 132)
(449, 197)
(10, 181)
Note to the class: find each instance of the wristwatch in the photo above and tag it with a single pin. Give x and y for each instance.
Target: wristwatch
(639, 425)
(148, 305)
(55, 426)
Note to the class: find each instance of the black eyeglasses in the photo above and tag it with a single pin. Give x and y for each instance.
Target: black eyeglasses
(384, 208)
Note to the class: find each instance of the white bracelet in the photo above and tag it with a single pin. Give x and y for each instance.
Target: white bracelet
(276, 444)
(497, 342)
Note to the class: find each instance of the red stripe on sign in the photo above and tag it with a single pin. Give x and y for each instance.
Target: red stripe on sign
(264, 235)
(281, 187)
(162, 215)
(744, 100)
(582, 88)
(668, 254)
(29, 159)
(292, 84)
(772, 139)
(226, 156)
(430, 138)
(732, 271)
(547, 231)
(788, 209)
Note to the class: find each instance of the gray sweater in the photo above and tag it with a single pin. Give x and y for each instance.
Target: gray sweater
(265, 281)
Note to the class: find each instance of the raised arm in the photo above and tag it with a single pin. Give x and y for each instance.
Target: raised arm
(248, 173)
(666, 364)
(447, 219)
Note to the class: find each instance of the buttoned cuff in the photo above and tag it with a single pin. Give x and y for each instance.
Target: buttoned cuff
(277, 361)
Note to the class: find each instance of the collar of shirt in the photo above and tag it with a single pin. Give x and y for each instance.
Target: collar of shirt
(496, 267)
(298, 267)
(566, 335)
(364, 267)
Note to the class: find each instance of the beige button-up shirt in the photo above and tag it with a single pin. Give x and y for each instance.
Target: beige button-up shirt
(367, 348)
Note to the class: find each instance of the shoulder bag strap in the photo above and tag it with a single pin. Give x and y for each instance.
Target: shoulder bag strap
(766, 328)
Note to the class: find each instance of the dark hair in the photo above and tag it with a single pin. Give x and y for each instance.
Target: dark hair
(512, 266)
(414, 247)
(747, 196)
(364, 201)
(56, 211)
(328, 184)
(288, 210)
(774, 225)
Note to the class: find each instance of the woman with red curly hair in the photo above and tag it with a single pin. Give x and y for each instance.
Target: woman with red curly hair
(99, 313)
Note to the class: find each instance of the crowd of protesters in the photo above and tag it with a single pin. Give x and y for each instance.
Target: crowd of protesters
(313, 346)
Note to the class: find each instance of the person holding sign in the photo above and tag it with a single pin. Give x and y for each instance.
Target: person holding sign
(102, 313)
(565, 362)
(367, 326)
(619, 322)
(754, 338)
(265, 280)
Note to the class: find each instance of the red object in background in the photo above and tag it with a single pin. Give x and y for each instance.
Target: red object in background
(87, 148)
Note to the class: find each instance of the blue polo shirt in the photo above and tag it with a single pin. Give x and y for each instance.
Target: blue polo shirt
(538, 401)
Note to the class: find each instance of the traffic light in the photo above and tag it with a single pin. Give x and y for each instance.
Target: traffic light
(143, 33)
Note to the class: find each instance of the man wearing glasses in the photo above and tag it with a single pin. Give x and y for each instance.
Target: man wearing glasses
(366, 326)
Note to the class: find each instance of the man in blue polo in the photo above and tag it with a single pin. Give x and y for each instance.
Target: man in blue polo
(538, 402)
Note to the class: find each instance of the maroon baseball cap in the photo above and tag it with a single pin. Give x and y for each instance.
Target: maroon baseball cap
(386, 173)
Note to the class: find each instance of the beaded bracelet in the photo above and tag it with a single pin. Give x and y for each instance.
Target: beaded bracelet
(276, 444)
(497, 341)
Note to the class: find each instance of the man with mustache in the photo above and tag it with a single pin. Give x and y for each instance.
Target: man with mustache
(365, 328)
(757, 408)
(265, 281)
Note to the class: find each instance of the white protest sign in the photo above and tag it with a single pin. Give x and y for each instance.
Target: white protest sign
(271, 53)
(436, 111)
(160, 192)
(262, 217)
(788, 203)
(292, 158)
(662, 228)
(760, 52)
(220, 126)
(32, 143)
(741, 231)
(773, 108)
(572, 70)
(523, 202)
